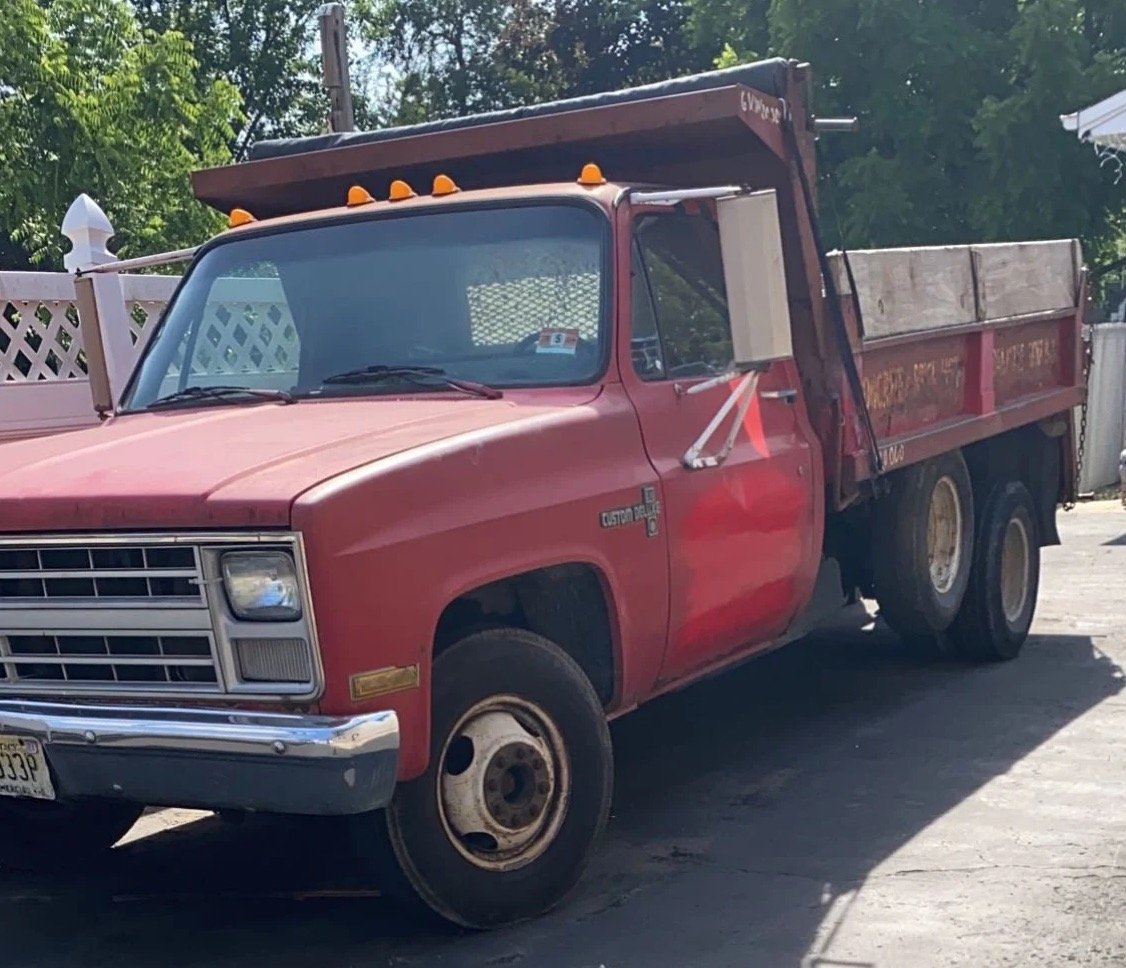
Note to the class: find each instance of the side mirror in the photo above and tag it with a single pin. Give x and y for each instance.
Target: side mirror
(755, 276)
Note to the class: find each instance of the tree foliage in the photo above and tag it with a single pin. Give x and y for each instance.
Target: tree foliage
(91, 102)
(959, 106)
(265, 48)
(958, 100)
(451, 57)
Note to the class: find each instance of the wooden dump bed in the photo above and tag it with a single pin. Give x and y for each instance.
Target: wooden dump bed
(961, 342)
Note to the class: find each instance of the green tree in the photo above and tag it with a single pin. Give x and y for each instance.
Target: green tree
(91, 102)
(265, 48)
(1033, 177)
(959, 103)
(454, 57)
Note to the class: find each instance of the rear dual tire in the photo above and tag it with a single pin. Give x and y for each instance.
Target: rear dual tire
(945, 583)
(996, 614)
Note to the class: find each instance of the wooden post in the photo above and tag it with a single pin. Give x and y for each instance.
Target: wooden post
(105, 337)
(334, 53)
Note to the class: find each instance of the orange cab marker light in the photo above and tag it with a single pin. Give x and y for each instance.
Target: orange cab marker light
(399, 191)
(239, 216)
(358, 195)
(591, 175)
(444, 185)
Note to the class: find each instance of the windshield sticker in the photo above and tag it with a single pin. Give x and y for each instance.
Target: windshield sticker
(565, 341)
(648, 509)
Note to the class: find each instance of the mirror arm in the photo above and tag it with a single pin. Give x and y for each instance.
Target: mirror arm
(674, 196)
(741, 396)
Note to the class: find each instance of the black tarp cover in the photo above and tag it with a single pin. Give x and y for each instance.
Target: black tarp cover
(768, 76)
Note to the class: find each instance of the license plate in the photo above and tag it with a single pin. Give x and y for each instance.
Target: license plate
(23, 769)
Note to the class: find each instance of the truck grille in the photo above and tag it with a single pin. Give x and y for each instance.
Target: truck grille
(161, 660)
(93, 573)
(145, 615)
(105, 617)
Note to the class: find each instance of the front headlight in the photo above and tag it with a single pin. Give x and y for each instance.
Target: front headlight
(262, 586)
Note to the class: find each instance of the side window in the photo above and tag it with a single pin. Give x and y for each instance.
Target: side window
(680, 325)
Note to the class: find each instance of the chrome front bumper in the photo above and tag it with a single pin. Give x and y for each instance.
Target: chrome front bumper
(214, 758)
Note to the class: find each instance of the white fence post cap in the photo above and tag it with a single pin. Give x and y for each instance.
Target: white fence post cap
(89, 231)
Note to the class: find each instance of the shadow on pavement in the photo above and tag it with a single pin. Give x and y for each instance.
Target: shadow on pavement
(745, 806)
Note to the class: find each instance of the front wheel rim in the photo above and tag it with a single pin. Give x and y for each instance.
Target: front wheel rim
(503, 783)
(944, 535)
(1015, 558)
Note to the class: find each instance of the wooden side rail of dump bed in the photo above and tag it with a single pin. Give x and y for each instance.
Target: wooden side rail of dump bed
(963, 342)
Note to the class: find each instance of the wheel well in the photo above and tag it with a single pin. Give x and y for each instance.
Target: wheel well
(564, 603)
(1026, 454)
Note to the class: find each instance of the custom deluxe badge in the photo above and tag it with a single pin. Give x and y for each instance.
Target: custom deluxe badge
(648, 509)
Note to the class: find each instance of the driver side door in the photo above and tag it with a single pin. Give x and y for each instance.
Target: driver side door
(742, 538)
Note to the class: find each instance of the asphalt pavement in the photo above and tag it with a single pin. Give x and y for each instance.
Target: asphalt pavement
(833, 804)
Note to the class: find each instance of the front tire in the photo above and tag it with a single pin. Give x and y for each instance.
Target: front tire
(499, 827)
(1005, 578)
(47, 835)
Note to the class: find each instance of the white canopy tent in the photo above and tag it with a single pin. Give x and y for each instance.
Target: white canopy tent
(1102, 124)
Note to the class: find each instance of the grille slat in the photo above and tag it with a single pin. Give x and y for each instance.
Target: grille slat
(163, 659)
(93, 574)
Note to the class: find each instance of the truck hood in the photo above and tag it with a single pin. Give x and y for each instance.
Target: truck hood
(237, 466)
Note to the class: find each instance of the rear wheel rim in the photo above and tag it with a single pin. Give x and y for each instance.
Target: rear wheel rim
(503, 783)
(944, 535)
(1015, 558)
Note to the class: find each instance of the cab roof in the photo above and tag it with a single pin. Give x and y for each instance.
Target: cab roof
(601, 195)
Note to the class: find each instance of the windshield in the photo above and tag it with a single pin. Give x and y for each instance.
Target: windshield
(505, 297)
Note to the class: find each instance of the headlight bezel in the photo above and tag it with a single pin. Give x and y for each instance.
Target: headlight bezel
(291, 608)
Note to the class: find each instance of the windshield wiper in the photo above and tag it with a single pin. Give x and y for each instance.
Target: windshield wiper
(423, 376)
(191, 394)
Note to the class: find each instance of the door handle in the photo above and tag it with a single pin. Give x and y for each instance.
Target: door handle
(789, 394)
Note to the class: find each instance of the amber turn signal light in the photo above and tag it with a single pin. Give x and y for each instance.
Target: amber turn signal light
(358, 195)
(591, 175)
(444, 185)
(399, 191)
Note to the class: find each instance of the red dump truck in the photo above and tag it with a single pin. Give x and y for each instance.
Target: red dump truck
(468, 437)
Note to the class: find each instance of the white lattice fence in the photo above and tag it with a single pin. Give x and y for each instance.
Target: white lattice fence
(43, 382)
(39, 338)
(247, 328)
(145, 298)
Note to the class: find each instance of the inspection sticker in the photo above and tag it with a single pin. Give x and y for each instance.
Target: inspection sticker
(552, 340)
